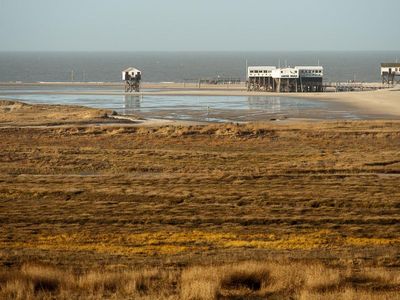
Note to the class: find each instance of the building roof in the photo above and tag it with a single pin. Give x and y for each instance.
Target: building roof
(131, 69)
(261, 67)
(309, 67)
(390, 65)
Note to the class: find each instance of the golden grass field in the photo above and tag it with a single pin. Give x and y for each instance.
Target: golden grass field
(295, 211)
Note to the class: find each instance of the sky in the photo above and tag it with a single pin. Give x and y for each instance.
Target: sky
(199, 25)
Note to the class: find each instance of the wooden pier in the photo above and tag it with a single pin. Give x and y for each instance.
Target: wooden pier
(351, 86)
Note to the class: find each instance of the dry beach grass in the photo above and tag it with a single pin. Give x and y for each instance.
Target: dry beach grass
(248, 280)
(199, 212)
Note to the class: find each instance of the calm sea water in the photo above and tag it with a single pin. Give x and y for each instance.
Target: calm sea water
(180, 66)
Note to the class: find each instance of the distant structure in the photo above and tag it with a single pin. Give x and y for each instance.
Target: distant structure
(297, 79)
(220, 80)
(132, 77)
(389, 72)
(259, 78)
(310, 78)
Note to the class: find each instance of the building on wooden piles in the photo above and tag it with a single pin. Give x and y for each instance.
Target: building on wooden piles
(310, 78)
(390, 72)
(132, 78)
(259, 78)
(297, 79)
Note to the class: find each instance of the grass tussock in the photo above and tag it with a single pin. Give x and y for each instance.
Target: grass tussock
(33, 281)
(247, 280)
(287, 281)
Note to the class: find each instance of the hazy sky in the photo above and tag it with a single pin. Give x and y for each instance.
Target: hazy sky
(170, 25)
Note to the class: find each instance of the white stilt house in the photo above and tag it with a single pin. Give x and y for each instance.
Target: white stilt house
(132, 77)
(259, 78)
(389, 72)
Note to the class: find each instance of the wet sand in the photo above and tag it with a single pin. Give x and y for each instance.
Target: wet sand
(379, 102)
(383, 103)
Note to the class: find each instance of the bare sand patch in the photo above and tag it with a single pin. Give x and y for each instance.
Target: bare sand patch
(15, 112)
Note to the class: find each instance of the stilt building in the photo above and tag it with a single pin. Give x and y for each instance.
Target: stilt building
(297, 79)
(260, 78)
(132, 78)
(389, 72)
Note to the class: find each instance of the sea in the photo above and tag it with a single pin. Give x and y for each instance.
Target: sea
(360, 66)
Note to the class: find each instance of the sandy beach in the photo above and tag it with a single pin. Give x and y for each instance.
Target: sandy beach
(381, 101)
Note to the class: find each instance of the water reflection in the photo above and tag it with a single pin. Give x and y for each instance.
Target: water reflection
(132, 103)
(267, 104)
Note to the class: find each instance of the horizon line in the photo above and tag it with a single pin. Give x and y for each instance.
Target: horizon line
(166, 51)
